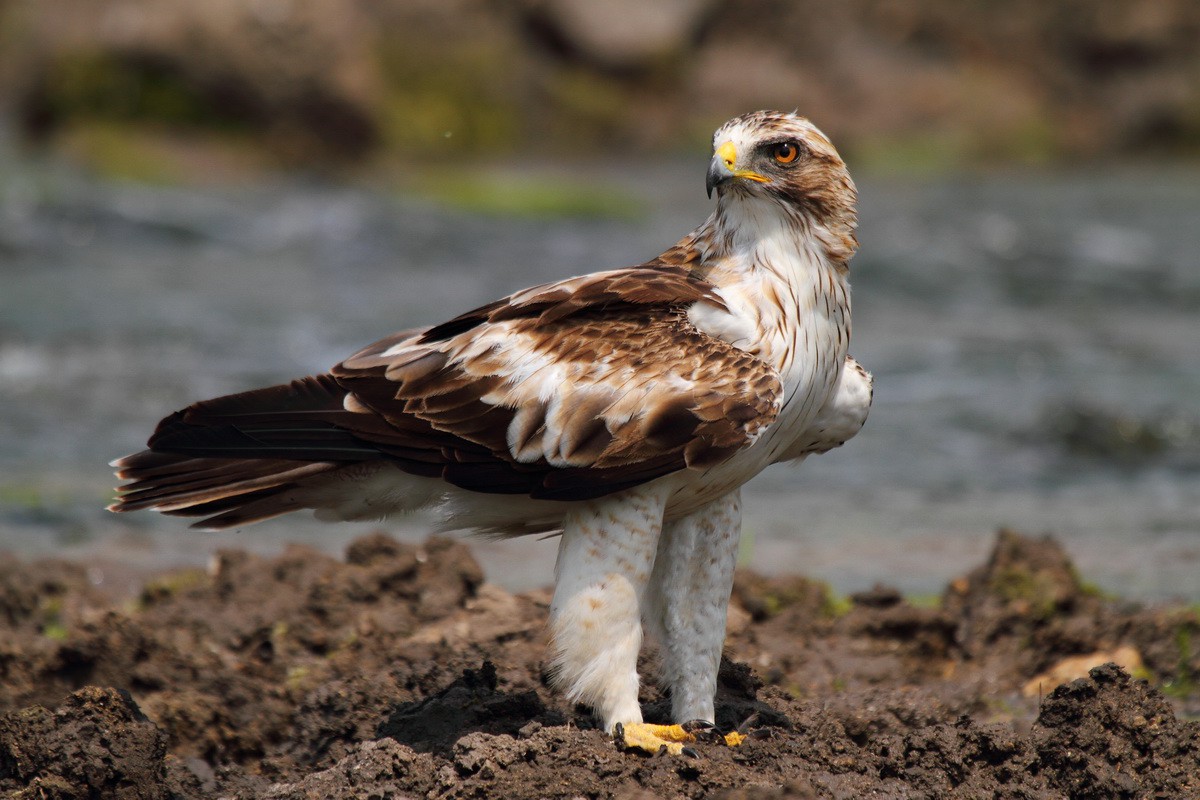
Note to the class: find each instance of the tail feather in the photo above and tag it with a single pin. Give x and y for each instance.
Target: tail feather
(241, 457)
(251, 511)
(203, 480)
(296, 421)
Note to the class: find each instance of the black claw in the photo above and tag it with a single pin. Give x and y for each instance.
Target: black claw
(619, 736)
(703, 730)
(690, 753)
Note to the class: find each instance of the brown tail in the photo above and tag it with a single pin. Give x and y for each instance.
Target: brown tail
(240, 458)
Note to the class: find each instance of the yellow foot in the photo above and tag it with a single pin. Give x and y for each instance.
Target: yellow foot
(655, 739)
(673, 739)
(734, 738)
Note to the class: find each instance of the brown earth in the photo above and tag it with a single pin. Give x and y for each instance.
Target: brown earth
(400, 673)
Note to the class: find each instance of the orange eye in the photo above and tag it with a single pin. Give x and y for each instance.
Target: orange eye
(786, 152)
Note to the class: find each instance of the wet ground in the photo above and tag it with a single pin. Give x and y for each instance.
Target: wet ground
(398, 671)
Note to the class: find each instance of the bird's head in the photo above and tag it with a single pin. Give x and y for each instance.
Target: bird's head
(774, 154)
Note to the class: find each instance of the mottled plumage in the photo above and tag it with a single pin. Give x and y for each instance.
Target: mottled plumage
(623, 408)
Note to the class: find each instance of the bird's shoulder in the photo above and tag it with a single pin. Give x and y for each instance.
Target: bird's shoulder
(658, 283)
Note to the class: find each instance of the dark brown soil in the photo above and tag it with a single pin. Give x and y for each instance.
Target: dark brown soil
(401, 673)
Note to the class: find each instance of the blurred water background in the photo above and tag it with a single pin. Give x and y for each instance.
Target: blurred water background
(1032, 325)
(1034, 339)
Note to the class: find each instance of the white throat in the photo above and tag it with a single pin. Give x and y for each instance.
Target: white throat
(787, 298)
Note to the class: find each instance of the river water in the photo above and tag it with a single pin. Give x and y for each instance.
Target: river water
(1034, 336)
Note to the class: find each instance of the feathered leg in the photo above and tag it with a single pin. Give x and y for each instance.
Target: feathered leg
(685, 607)
(688, 601)
(605, 559)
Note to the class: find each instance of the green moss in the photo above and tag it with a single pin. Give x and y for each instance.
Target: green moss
(1090, 589)
(171, 584)
(55, 630)
(1036, 589)
(1034, 140)
(151, 153)
(1141, 673)
(447, 98)
(119, 150)
(528, 196)
(772, 604)
(1000, 708)
(31, 497)
(103, 86)
(774, 597)
(924, 154)
(1183, 683)
(297, 677)
(835, 605)
(935, 152)
(924, 600)
(125, 116)
(589, 106)
(50, 610)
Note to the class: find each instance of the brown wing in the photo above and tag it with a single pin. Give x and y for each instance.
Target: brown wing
(569, 391)
(573, 408)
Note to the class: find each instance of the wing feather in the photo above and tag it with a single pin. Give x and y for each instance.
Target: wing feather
(585, 404)
(567, 391)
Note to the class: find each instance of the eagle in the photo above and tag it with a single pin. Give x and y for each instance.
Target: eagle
(621, 409)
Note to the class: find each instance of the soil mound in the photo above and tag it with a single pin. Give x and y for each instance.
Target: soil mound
(399, 672)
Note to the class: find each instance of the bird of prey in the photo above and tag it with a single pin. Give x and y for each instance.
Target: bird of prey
(624, 409)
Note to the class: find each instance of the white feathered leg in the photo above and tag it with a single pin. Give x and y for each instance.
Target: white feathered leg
(688, 600)
(605, 559)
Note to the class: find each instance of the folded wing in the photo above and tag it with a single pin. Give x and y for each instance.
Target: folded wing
(568, 391)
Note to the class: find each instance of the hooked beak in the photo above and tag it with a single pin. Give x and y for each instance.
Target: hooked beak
(720, 169)
(718, 174)
(723, 168)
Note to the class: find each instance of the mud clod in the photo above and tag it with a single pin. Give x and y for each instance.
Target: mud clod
(97, 743)
(1137, 746)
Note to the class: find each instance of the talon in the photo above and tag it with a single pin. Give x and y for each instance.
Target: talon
(690, 753)
(702, 730)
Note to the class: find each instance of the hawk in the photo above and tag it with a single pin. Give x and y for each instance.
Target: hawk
(623, 408)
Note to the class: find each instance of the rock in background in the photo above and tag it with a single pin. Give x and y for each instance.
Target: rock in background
(934, 81)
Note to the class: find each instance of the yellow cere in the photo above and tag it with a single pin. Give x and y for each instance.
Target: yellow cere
(728, 154)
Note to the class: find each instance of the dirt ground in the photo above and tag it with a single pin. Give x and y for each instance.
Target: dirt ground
(399, 672)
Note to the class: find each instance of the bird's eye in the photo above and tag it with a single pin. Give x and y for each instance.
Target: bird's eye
(785, 152)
